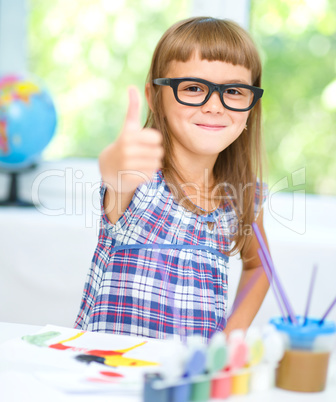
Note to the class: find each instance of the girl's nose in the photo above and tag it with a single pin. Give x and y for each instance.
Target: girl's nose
(214, 104)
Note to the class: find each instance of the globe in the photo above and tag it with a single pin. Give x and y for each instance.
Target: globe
(27, 122)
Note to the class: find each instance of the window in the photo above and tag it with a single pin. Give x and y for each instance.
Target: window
(87, 53)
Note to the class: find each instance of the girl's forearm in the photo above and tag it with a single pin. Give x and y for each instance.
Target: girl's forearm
(252, 289)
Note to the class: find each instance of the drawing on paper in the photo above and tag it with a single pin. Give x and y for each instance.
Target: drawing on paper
(111, 358)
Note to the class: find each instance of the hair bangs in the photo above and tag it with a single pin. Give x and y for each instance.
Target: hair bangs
(213, 40)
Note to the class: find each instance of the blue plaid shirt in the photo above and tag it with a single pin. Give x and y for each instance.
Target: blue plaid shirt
(161, 269)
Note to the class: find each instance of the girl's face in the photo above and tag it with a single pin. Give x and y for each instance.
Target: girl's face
(209, 129)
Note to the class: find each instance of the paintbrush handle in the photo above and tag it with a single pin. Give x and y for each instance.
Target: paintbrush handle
(244, 292)
(310, 293)
(274, 274)
(269, 277)
(327, 312)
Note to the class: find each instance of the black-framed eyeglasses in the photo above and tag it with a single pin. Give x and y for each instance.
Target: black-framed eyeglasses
(196, 92)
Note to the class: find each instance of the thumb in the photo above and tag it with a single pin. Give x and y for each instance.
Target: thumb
(132, 120)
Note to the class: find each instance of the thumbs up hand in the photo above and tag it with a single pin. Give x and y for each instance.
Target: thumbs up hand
(135, 155)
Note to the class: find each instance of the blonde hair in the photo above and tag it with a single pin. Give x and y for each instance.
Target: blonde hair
(239, 164)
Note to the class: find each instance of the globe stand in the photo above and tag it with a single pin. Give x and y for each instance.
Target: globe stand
(13, 199)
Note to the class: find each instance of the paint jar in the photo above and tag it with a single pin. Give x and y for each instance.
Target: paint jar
(308, 345)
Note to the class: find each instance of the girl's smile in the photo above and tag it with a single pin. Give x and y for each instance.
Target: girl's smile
(214, 127)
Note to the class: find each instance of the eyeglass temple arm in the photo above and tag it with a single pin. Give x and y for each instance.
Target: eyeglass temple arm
(162, 81)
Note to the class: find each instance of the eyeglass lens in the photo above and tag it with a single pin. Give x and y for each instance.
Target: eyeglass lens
(196, 92)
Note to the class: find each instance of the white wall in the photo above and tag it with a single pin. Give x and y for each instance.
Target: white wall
(237, 10)
(13, 36)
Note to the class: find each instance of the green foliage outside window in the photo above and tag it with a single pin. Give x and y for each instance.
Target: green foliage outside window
(297, 39)
(89, 51)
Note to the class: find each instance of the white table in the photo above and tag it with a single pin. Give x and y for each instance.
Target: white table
(17, 386)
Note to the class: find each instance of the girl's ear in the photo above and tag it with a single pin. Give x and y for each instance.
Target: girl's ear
(148, 95)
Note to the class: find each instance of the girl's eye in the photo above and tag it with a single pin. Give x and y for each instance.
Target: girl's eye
(193, 89)
(233, 91)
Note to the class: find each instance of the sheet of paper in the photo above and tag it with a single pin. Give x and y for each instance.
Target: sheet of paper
(78, 361)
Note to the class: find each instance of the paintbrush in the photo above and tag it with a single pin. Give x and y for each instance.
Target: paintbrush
(274, 274)
(244, 292)
(327, 312)
(271, 282)
(312, 282)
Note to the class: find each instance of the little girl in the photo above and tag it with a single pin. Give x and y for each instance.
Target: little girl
(179, 195)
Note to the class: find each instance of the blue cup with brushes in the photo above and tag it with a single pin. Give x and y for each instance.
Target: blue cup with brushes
(307, 334)
(309, 341)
